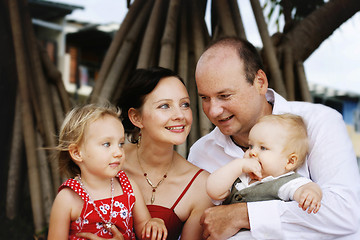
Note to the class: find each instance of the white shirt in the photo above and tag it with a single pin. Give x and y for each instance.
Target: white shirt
(331, 163)
(286, 192)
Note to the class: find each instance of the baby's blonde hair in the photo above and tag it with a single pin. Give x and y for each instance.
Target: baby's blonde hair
(72, 132)
(297, 139)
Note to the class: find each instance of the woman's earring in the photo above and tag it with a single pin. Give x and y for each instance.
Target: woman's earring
(139, 140)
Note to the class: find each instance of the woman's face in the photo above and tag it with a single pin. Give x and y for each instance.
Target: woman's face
(166, 115)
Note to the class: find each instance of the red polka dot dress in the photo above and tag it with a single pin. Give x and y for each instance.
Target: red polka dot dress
(90, 221)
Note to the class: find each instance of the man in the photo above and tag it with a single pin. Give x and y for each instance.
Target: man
(234, 92)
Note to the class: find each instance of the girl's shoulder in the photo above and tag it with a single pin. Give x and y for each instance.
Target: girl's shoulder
(67, 194)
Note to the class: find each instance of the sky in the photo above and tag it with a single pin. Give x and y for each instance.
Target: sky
(335, 64)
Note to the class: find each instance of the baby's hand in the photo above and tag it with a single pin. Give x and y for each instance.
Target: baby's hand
(252, 167)
(309, 197)
(154, 229)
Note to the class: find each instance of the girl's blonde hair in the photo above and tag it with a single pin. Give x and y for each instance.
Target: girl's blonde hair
(297, 139)
(72, 132)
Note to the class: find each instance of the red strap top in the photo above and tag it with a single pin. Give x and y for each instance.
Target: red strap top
(173, 223)
(89, 220)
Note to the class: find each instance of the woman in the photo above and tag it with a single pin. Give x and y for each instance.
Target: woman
(156, 116)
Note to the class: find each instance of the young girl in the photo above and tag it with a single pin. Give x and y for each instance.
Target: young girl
(99, 195)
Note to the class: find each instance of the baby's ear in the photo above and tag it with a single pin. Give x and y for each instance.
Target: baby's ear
(292, 162)
(75, 153)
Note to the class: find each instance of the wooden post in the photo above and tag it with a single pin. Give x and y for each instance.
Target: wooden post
(111, 53)
(28, 124)
(199, 44)
(288, 68)
(235, 12)
(149, 45)
(46, 120)
(270, 52)
(183, 67)
(304, 87)
(15, 163)
(54, 75)
(124, 53)
(168, 41)
(225, 20)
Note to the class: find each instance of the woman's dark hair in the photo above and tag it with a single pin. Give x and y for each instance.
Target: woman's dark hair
(136, 88)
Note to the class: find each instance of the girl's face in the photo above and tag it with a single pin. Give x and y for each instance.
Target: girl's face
(267, 141)
(101, 151)
(166, 115)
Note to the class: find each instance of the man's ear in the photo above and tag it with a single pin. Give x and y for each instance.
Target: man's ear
(261, 82)
(292, 162)
(135, 117)
(75, 153)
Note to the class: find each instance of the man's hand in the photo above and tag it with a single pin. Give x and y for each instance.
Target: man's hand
(222, 222)
(117, 235)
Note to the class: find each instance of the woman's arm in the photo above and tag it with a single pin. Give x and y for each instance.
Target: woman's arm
(200, 201)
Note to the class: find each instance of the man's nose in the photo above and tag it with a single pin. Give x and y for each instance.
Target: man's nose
(215, 108)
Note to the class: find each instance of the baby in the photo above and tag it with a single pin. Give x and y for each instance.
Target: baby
(278, 145)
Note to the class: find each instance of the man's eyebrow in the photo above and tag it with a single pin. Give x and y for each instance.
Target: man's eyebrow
(227, 90)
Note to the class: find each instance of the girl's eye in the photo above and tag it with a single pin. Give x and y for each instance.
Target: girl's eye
(107, 144)
(185, 105)
(164, 106)
(121, 145)
(263, 148)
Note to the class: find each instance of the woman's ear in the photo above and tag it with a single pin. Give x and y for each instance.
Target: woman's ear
(292, 162)
(135, 117)
(75, 153)
(261, 82)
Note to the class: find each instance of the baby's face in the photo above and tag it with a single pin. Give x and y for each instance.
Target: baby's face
(267, 141)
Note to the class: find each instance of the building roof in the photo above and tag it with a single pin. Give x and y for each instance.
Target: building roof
(46, 10)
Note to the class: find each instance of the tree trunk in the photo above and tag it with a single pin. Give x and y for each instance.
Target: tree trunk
(114, 48)
(235, 12)
(308, 34)
(46, 120)
(168, 41)
(127, 48)
(15, 163)
(149, 45)
(28, 124)
(269, 49)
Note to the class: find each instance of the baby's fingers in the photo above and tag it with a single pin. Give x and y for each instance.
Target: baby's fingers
(315, 206)
(304, 202)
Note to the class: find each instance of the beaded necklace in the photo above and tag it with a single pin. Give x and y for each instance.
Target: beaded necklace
(107, 224)
(154, 187)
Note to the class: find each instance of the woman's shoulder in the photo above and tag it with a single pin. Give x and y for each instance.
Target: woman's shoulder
(193, 173)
